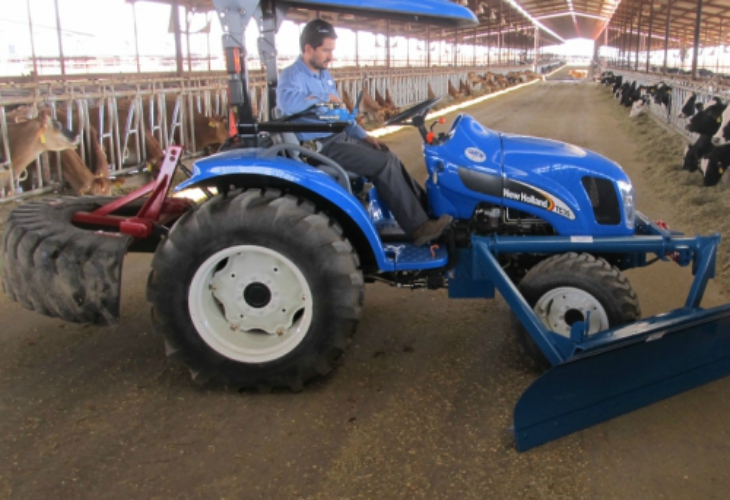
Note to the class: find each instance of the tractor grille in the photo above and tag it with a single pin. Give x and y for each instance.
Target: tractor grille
(604, 200)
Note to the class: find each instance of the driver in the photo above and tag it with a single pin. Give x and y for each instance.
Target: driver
(307, 82)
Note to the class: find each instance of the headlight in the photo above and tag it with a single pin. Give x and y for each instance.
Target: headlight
(627, 197)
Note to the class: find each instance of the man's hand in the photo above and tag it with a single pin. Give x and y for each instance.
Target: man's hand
(375, 142)
(334, 98)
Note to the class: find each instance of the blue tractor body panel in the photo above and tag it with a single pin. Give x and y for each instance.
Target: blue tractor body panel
(392, 257)
(538, 176)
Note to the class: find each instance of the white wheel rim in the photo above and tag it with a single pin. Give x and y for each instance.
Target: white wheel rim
(229, 307)
(559, 308)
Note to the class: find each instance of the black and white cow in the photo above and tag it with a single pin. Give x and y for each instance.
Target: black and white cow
(663, 95)
(706, 123)
(715, 164)
(688, 108)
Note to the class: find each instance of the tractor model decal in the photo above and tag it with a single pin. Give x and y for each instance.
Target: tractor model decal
(524, 193)
(494, 185)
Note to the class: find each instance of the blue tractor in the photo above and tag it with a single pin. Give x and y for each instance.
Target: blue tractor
(262, 284)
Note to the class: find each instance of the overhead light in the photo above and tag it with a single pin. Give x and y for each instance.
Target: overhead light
(534, 21)
(568, 13)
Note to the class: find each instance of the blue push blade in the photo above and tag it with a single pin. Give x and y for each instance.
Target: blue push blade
(596, 386)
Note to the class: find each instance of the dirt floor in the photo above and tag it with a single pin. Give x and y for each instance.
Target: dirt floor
(421, 406)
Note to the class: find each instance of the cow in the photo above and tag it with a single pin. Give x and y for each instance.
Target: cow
(370, 107)
(715, 164)
(706, 123)
(27, 139)
(663, 95)
(96, 158)
(688, 108)
(639, 106)
(453, 92)
(154, 154)
(617, 84)
(209, 130)
(80, 178)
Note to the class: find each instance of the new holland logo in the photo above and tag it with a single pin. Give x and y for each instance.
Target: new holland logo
(475, 154)
(525, 193)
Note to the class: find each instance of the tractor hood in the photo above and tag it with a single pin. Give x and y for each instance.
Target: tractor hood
(577, 191)
(535, 157)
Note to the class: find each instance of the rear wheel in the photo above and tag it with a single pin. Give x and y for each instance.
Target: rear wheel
(571, 287)
(256, 289)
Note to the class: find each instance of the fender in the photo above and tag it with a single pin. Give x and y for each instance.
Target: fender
(247, 162)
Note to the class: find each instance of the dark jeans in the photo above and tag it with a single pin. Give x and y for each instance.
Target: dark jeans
(403, 195)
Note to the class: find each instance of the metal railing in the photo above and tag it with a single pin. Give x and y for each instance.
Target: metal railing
(94, 104)
(681, 90)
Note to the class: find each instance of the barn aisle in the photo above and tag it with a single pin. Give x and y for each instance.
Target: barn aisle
(419, 409)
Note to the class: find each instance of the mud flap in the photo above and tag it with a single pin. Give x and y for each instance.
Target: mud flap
(656, 359)
(53, 267)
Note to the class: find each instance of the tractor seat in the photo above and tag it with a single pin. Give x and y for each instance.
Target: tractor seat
(296, 153)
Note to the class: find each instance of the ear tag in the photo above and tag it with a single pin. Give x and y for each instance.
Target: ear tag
(211, 124)
(719, 120)
(42, 135)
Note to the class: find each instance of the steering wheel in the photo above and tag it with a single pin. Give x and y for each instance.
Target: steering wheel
(420, 109)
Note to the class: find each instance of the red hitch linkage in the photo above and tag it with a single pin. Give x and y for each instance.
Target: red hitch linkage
(158, 209)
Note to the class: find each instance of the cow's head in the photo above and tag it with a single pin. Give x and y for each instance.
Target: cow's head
(220, 126)
(52, 135)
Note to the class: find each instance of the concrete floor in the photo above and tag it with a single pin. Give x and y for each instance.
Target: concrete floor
(420, 407)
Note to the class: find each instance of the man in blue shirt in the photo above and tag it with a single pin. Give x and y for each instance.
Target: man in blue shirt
(308, 82)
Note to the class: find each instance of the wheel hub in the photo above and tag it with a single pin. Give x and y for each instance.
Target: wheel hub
(257, 295)
(560, 308)
(250, 303)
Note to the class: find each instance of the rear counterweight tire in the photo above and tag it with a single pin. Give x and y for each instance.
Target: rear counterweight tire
(563, 287)
(58, 269)
(256, 290)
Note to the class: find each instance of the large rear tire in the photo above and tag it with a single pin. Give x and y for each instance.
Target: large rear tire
(256, 290)
(562, 288)
(55, 268)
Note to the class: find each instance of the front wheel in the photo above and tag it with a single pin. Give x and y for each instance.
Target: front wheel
(256, 289)
(571, 287)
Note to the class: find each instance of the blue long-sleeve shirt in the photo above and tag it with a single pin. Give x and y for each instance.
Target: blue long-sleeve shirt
(300, 87)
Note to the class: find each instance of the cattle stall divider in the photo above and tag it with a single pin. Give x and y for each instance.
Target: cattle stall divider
(92, 106)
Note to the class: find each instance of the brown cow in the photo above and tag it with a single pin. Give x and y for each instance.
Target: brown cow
(209, 130)
(28, 139)
(370, 107)
(77, 174)
(431, 93)
(453, 92)
(96, 157)
(154, 154)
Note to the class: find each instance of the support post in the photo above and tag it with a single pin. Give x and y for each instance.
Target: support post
(428, 46)
(474, 51)
(537, 47)
(638, 36)
(136, 37)
(696, 48)
(32, 42)
(60, 39)
(178, 38)
(357, 48)
(187, 37)
(666, 34)
(651, 25)
(387, 44)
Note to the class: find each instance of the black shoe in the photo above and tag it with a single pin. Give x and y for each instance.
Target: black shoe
(430, 230)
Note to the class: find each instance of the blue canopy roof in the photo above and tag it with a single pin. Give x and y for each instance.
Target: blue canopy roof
(440, 12)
